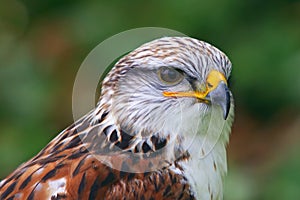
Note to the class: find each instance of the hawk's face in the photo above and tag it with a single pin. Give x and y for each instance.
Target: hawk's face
(169, 86)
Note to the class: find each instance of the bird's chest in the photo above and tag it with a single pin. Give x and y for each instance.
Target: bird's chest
(204, 178)
(205, 168)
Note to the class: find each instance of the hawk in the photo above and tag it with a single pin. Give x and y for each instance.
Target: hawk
(158, 131)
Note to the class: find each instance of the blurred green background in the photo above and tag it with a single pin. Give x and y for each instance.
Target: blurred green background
(43, 43)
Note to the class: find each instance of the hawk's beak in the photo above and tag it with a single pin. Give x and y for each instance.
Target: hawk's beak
(216, 92)
(220, 96)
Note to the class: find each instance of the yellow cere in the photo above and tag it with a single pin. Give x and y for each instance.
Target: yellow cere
(213, 79)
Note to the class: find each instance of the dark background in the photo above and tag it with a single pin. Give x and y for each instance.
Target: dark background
(43, 43)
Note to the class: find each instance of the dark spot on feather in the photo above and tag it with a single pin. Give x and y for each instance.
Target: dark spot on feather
(154, 139)
(161, 179)
(78, 154)
(181, 194)
(25, 182)
(82, 184)
(109, 179)
(31, 196)
(75, 172)
(136, 150)
(156, 186)
(215, 166)
(160, 143)
(56, 147)
(50, 174)
(19, 174)
(146, 148)
(106, 129)
(125, 136)
(113, 136)
(125, 140)
(94, 189)
(73, 132)
(8, 190)
(48, 160)
(129, 151)
(75, 155)
(174, 180)
(103, 116)
(209, 85)
(167, 190)
(13, 176)
(73, 143)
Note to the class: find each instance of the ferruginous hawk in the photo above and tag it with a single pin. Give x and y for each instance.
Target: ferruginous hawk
(159, 131)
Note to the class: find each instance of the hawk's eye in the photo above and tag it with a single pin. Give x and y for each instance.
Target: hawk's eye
(169, 75)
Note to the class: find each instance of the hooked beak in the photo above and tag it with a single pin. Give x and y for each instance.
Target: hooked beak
(216, 93)
(220, 96)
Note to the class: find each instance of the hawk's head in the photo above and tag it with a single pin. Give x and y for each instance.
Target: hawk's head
(168, 87)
